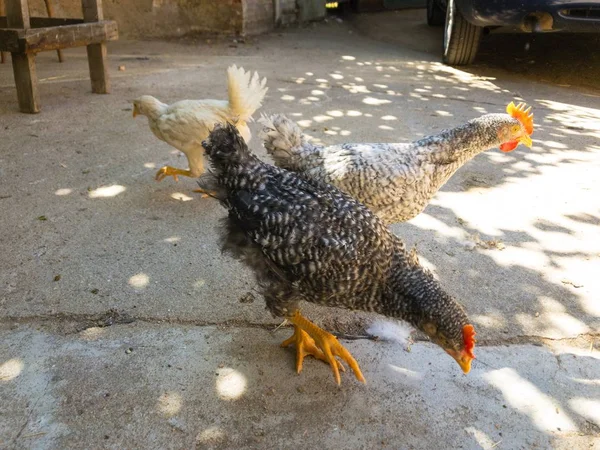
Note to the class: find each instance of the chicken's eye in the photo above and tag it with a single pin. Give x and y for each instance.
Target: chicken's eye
(515, 129)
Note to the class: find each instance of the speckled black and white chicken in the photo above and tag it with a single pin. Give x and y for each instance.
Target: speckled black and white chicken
(396, 181)
(307, 240)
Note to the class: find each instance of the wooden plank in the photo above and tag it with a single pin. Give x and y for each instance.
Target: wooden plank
(42, 22)
(26, 81)
(98, 68)
(37, 40)
(17, 14)
(43, 39)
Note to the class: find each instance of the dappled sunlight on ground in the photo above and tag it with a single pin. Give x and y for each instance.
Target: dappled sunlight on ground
(482, 438)
(92, 333)
(586, 407)
(11, 369)
(555, 271)
(169, 403)
(575, 119)
(211, 436)
(181, 196)
(139, 281)
(230, 384)
(107, 191)
(199, 284)
(527, 399)
(410, 374)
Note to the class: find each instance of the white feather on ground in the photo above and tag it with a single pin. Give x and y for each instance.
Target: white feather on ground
(391, 331)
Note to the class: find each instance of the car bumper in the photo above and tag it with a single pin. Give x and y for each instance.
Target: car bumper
(534, 15)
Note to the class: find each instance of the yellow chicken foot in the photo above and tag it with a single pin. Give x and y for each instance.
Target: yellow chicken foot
(169, 171)
(205, 192)
(305, 345)
(322, 345)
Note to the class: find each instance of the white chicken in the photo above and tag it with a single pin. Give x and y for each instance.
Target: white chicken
(185, 124)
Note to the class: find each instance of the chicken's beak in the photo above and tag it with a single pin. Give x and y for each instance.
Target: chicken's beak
(462, 358)
(526, 140)
(135, 111)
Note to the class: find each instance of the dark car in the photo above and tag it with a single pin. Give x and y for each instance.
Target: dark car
(465, 20)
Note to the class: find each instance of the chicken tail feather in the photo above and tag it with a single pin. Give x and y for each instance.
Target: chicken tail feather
(246, 92)
(281, 137)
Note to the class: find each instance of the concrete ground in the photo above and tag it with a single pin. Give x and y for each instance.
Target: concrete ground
(123, 326)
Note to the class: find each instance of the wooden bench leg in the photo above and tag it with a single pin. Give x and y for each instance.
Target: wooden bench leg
(98, 68)
(92, 12)
(26, 82)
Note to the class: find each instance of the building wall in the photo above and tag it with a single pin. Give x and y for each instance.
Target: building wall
(289, 12)
(309, 10)
(259, 16)
(156, 18)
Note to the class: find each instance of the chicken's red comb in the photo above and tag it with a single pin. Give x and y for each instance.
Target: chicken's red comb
(523, 114)
(469, 339)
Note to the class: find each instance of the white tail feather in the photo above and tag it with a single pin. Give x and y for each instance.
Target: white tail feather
(246, 92)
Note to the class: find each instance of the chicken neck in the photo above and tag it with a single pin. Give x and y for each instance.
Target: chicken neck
(456, 146)
(154, 108)
(412, 294)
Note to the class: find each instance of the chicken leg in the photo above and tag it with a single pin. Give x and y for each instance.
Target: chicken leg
(168, 171)
(312, 340)
(205, 192)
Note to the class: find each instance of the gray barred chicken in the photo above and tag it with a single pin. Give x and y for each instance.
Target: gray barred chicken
(307, 240)
(396, 181)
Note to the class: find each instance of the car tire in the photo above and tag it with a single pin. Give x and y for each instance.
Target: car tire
(435, 14)
(461, 38)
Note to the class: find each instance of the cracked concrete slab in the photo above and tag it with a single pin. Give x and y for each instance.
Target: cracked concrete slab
(164, 386)
(90, 239)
